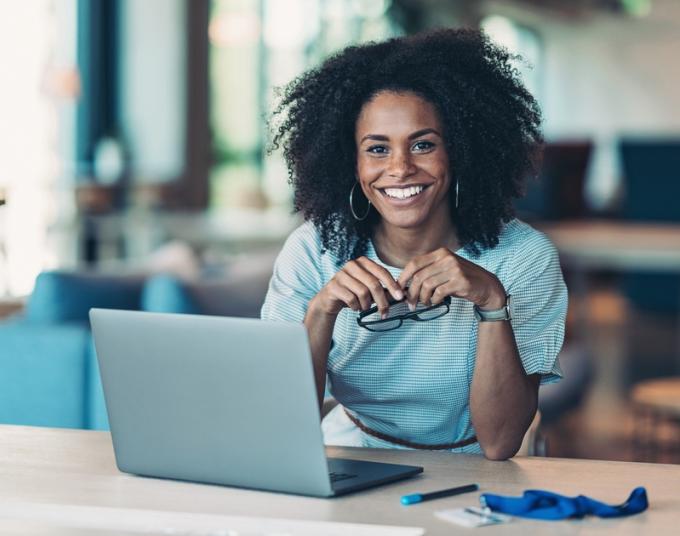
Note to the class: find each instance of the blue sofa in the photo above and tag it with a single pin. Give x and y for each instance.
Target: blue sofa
(48, 366)
(48, 370)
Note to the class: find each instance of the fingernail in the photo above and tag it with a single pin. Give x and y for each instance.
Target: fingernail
(399, 295)
(411, 306)
(383, 316)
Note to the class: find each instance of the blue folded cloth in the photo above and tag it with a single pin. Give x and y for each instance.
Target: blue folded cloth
(539, 504)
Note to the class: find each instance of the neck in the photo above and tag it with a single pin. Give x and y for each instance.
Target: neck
(397, 246)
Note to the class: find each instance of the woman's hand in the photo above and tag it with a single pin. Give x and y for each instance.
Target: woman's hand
(359, 284)
(442, 273)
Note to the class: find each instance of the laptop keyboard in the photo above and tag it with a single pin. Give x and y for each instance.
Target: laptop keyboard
(337, 477)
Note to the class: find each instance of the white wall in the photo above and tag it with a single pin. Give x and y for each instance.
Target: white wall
(607, 73)
(604, 76)
(153, 80)
(613, 74)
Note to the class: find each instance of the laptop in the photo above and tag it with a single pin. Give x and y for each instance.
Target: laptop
(220, 400)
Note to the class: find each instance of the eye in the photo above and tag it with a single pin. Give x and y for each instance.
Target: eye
(423, 146)
(377, 149)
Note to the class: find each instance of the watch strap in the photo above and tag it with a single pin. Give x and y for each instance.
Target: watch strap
(494, 315)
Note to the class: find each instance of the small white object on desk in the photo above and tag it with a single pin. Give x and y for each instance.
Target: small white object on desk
(472, 516)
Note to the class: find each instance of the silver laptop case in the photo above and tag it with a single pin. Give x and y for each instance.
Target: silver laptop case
(170, 419)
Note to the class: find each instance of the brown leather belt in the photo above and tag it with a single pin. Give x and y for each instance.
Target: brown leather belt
(409, 444)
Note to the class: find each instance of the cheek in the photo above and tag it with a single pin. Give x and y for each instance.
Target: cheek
(442, 160)
(440, 168)
(367, 167)
(366, 175)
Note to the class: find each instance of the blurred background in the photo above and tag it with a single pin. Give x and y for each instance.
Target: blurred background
(133, 174)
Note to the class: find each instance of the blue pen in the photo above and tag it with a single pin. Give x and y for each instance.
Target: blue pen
(420, 497)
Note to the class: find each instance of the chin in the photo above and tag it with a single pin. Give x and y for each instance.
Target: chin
(403, 222)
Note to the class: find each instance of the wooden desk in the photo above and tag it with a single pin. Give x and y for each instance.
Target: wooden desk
(599, 244)
(74, 467)
(622, 246)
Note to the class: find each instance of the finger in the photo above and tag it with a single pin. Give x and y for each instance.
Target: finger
(413, 266)
(342, 294)
(433, 284)
(442, 291)
(372, 283)
(384, 276)
(356, 287)
(443, 261)
(419, 290)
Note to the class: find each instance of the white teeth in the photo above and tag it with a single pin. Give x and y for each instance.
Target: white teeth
(403, 193)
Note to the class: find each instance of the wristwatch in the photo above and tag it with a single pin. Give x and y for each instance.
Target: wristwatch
(485, 315)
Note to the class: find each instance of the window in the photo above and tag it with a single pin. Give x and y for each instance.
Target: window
(38, 56)
(522, 40)
(255, 46)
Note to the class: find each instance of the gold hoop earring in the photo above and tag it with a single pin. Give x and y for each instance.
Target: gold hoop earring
(351, 205)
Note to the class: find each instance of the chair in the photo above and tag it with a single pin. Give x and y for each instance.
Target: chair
(533, 443)
(559, 192)
(557, 399)
(651, 169)
(656, 435)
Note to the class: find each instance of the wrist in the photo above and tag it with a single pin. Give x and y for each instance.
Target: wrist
(316, 310)
(493, 315)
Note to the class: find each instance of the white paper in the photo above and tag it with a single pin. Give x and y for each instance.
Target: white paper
(185, 523)
(472, 517)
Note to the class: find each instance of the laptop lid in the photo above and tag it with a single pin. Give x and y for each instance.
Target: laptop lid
(212, 399)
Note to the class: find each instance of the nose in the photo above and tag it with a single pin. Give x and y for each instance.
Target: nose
(400, 165)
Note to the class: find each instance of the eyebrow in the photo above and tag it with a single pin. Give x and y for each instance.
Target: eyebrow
(416, 134)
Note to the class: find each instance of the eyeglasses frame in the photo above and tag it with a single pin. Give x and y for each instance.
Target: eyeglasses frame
(412, 315)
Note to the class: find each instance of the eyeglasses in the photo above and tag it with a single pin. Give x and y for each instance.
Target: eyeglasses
(398, 312)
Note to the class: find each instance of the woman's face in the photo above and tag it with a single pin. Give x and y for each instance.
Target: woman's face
(402, 164)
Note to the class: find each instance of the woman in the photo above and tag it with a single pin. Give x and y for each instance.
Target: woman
(404, 157)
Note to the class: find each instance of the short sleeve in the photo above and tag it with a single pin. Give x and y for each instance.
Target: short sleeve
(539, 306)
(297, 277)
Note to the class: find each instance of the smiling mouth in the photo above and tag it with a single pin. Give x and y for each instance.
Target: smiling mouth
(404, 193)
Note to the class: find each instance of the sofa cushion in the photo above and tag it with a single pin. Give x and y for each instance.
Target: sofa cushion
(68, 296)
(42, 382)
(167, 294)
(241, 289)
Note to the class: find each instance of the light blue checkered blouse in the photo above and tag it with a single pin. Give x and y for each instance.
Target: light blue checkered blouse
(414, 382)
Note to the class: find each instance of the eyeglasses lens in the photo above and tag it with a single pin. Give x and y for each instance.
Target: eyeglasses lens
(386, 325)
(432, 313)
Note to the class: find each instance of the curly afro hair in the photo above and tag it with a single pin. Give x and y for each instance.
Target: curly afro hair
(491, 130)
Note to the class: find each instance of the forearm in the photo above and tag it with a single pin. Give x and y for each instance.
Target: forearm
(319, 326)
(503, 399)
